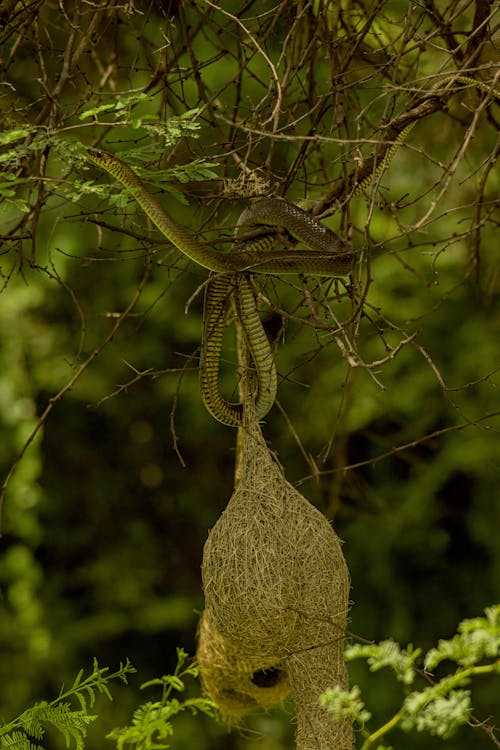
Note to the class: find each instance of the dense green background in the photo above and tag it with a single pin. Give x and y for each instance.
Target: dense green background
(105, 518)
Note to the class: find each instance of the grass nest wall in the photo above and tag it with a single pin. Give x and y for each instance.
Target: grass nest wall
(276, 592)
(236, 682)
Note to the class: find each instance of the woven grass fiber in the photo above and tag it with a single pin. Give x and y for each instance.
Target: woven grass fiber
(236, 683)
(277, 586)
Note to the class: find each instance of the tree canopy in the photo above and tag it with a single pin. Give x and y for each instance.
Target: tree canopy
(367, 114)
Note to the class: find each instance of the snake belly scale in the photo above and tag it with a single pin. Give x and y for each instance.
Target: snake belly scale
(327, 255)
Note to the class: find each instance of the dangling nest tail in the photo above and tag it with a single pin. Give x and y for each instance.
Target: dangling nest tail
(276, 586)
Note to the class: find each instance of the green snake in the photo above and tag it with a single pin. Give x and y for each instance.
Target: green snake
(329, 255)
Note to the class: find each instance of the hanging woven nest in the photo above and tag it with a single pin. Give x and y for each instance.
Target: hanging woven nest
(273, 569)
(277, 586)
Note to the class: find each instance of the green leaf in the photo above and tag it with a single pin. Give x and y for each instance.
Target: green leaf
(14, 135)
(204, 705)
(78, 679)
(157, 681)
(18, 741)
(151, 724)
(130, 99)
(96, 111)
(196, 170)
(341, 704)
(9, 156)
(119, 200)
(440, 715)
(175, 682)
(387, 653)
(477, 639)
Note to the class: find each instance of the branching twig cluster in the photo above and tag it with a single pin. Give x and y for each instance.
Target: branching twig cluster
(309, 98)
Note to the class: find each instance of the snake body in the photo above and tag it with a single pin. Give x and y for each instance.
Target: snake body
(329, 255)
(221, 292)
(327, 259)
(301, 225)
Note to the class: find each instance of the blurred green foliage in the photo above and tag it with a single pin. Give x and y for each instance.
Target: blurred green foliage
(388, 400)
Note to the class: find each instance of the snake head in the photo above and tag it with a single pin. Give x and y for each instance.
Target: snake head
(94, 154)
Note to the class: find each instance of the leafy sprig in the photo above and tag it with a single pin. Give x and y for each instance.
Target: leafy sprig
(440, 707)
(388, 653)
(476, 639)
(19, 144)
(27, 731)
(120, 112)
(151, 724)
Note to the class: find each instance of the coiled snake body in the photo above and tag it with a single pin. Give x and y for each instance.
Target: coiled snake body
(329, 255)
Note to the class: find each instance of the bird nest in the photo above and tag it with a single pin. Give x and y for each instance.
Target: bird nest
(276, 592)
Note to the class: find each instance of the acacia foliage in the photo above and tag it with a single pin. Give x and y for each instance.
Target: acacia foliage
(387, 400)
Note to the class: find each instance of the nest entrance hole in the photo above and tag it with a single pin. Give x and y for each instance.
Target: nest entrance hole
(266, 678)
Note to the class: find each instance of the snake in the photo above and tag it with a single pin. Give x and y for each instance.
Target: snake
(327, 254)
